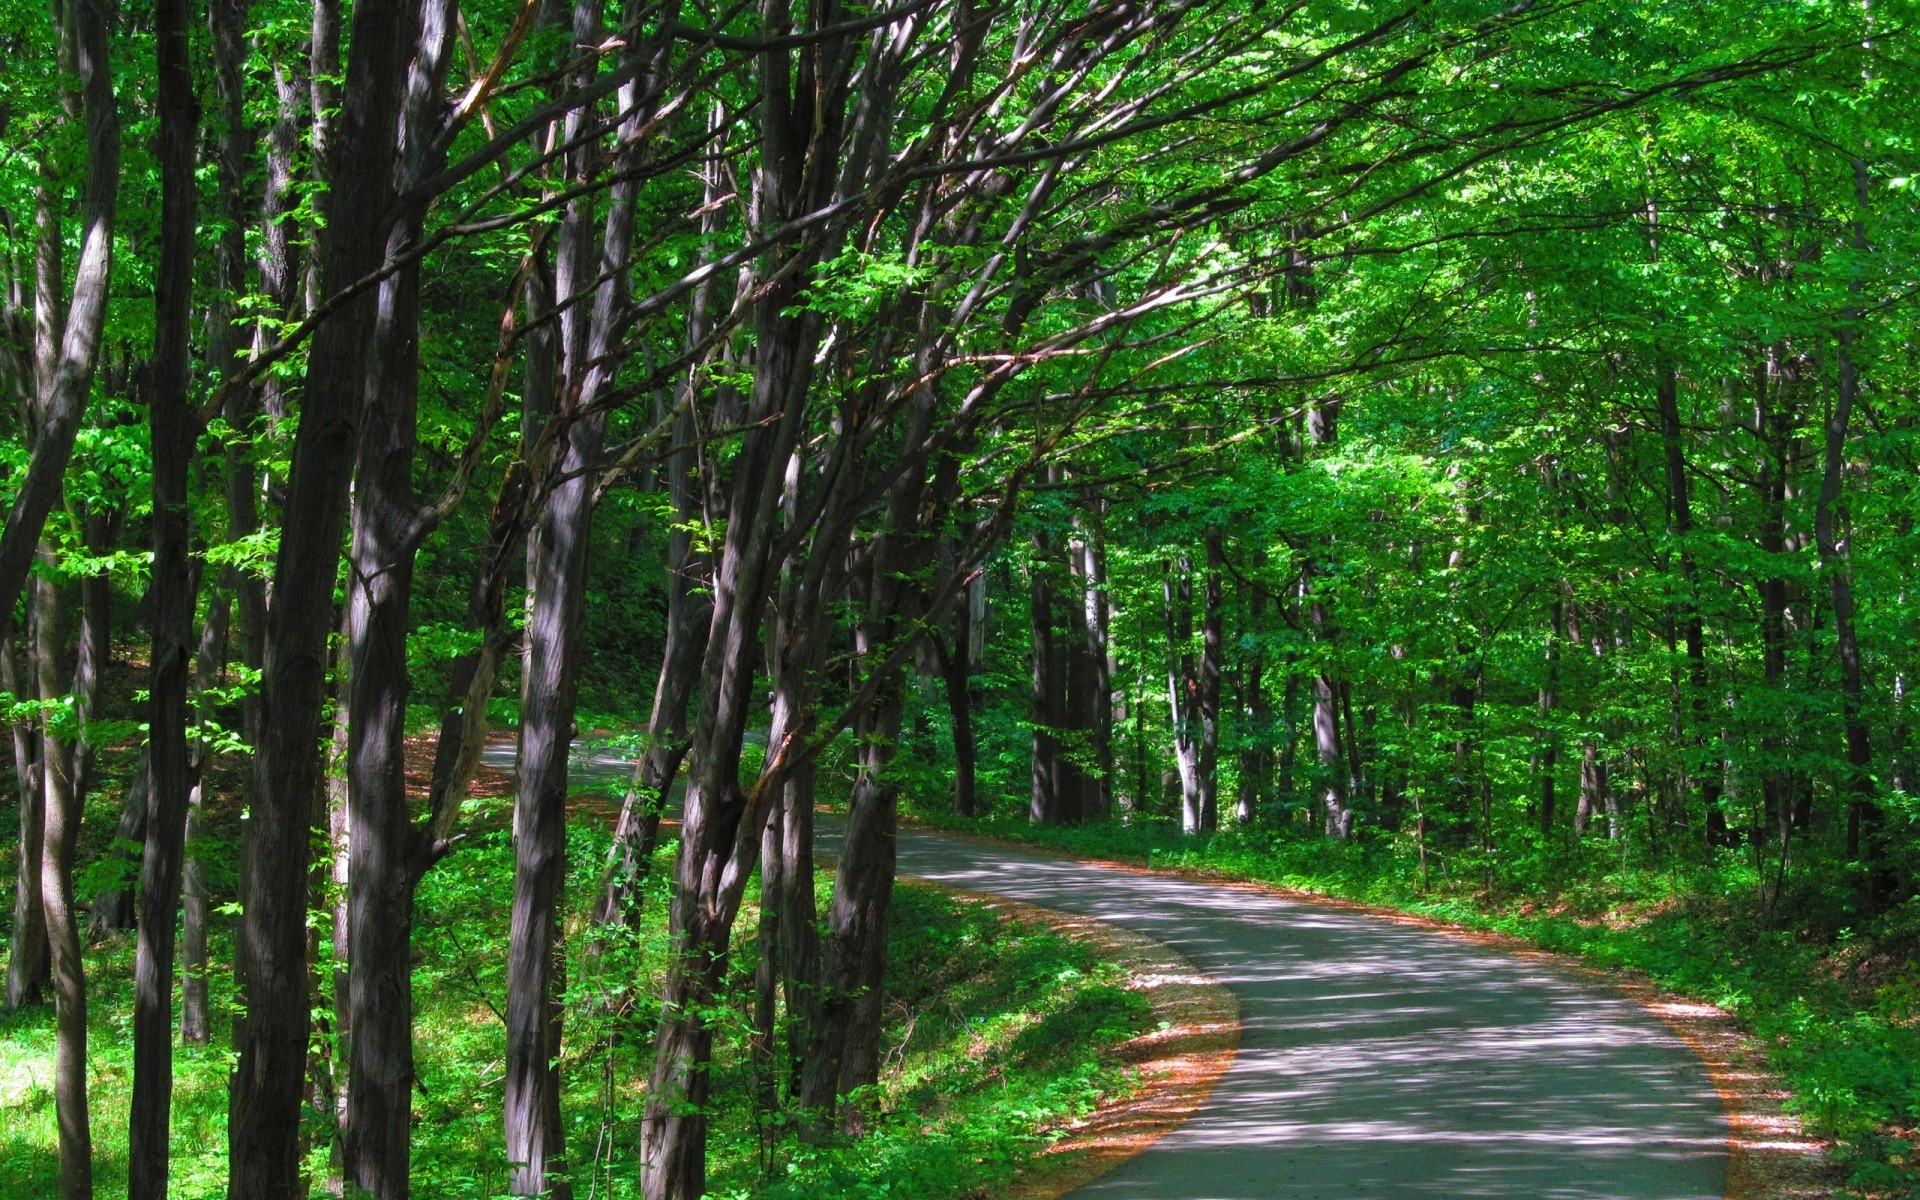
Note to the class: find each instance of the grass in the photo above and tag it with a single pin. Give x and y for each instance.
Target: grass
(1834, 997)
(996, 1032)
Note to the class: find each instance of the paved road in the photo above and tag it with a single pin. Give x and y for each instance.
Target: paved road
(1377, 1061)
(1383, 1061)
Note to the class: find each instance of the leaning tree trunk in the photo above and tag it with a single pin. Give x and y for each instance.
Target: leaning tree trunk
(66, 376)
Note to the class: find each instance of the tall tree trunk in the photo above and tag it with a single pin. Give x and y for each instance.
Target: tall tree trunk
(28, 963)
(1212, 651)
(386, 853)
(171, 597)
(1594, 791)
(1049, 692)
(1773, 422)
(1687, 610)
(1092, 679)
(1833, 532)
(1256, 752)
(266, 1097)
(56, 900)
(1183, 690)
(113, 907)
(1549, 737)
(956, 674)
(557, 585)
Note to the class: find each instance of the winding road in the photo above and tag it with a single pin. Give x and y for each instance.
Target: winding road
(1379, 1060)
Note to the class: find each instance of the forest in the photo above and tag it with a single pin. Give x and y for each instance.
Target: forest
(523, 518)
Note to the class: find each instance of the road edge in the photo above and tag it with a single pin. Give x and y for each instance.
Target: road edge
(1194, 1038)
(1770, 1156)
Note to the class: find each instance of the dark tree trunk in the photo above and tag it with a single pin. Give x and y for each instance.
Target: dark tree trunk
(1865, 821)
(688, 613)
(1687, 610)
(1212, 652)
(266, 1097)
(113, 907)
(557, 585)
(1050, 801)
(386, 854)
(1596, 792)
(1549, 738)
(170, 596)
(209, 658)
(27, 955)
(1256, 753)
(956, 674)
(1773, 422)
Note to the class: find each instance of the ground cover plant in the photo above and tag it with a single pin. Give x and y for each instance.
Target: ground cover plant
(1000, 1032)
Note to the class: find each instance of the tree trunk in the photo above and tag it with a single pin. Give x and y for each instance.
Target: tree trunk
(1773, 422)
(386, 854)
(1687, 611)
(1256, 753)
(66, 374)
(266, 1097)
(956, 673)
(1183, 690)
(1049, 692)
(113, 907)
(56, 900)
(1549, 738)
(28, 964)
(1865, 833)
(557, 585)
(1095, 670)
(1212, 651)
(172, 599)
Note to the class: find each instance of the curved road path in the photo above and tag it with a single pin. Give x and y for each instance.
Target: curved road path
(1379, 1060)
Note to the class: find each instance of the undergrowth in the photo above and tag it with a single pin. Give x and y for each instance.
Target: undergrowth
(994, 1037)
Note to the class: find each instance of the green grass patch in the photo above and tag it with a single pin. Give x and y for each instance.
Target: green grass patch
(995, 1034)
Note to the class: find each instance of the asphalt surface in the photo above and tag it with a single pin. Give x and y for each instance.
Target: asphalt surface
(1381, 1060)
(1377, 1060)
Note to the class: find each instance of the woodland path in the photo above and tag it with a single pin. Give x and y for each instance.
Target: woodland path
(1377, 1060)
(1380, 1060)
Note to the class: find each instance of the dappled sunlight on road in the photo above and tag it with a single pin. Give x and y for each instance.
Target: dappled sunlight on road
(1382, 1060)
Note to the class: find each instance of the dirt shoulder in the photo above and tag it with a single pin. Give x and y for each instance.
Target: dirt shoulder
(1193, 1033)
(1770, 1154)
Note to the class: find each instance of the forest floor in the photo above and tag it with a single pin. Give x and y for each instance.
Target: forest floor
(1007, 1029)
(1819, 1033)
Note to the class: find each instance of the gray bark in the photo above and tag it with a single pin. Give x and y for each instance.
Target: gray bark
(266, 1097)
